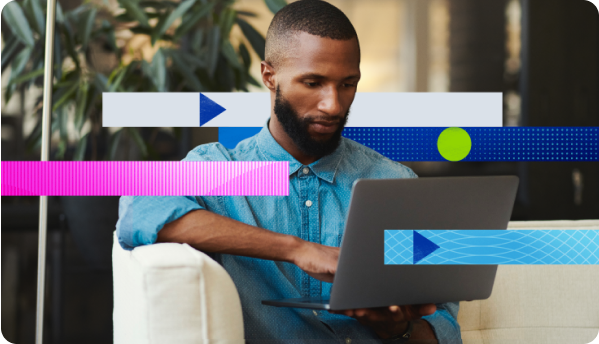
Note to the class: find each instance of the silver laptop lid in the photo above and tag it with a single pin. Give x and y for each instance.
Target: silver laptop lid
(362, 278)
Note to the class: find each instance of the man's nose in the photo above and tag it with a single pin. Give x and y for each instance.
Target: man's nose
(330, 103)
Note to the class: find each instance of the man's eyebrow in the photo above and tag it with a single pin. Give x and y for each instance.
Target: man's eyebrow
(318, 76)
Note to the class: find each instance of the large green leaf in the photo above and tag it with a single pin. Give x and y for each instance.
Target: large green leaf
(86, 26)
(124, 17)
(245, 55)
(114, 144)
(90, 104)
(62, 118)
(196, 40)
(15, 18)
(275, 5)
(80, 114)
(190, 20)
(213, 50)
(81, 147)
(101, 82)
(224, 75)
(117, 80)
(135, 11)
(230, 55)
(246, 13)
(138, 141)
(59, 14)
(183, 7)
(65, 96)
(183, 67)
(28, 76)
(11, 49)
(19, 63)
(191, 60)
(158, 5)
(69, 43)
(227, 18)
(108, 31)
(57, 56)
(38, 14)
(162, 17)
(254, 37)
(158, 70)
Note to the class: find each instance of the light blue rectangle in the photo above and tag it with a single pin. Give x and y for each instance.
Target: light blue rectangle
(501, 247)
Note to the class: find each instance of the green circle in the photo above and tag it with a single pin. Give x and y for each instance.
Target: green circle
(454, 144)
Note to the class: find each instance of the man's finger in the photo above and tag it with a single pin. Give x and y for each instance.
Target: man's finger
(361, 312)
(428, 309)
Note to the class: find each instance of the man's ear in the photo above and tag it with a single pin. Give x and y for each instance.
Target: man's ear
(268, 75)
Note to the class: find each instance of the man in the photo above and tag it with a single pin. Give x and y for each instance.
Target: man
(283, 247)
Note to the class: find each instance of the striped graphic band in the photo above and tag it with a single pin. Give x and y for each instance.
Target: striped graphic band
(482, 247)
(145, 178)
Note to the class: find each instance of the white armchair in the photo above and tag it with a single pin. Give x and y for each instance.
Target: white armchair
(172, 293)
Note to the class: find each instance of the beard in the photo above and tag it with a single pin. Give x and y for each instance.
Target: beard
(297, 129)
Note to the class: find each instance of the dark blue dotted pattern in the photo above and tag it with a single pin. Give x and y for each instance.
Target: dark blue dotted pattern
(488, 144)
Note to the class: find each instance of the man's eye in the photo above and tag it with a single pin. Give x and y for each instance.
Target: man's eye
(349, 85)
(311, 84)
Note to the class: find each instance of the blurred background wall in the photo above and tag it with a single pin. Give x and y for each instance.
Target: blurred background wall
(542, 54)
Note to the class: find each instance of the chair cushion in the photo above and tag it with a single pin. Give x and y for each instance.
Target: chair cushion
(537, 304)
(172, 293)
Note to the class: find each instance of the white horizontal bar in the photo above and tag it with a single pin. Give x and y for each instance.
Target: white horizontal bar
(253, 109)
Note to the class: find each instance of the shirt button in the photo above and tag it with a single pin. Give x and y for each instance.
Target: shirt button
(316, 314)
(308, 203)
(348, 340)
(306, 170)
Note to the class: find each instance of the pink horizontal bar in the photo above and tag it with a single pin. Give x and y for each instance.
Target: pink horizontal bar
(145, 178)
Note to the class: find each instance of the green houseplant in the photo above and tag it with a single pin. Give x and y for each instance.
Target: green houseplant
(195, 54)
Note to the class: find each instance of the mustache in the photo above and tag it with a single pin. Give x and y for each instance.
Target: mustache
(327, 119)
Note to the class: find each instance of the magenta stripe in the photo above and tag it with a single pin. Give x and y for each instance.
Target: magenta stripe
(145, 178)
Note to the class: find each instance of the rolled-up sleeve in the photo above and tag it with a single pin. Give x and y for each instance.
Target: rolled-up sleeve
(445, 324)
(141, 217)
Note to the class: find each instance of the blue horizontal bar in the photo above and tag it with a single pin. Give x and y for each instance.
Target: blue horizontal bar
(488, 144)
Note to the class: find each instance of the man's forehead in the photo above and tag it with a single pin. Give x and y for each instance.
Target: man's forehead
(310, 53)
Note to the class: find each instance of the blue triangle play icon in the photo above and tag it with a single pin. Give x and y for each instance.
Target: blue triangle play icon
(422, 247)
(208, 109)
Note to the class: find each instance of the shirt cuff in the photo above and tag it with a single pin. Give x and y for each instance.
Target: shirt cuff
(444, 323)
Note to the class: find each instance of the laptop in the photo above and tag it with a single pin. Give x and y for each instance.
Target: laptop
(363, 280)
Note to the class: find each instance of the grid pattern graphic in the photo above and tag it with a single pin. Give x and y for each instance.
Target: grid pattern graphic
(488, 144)
(505, 247)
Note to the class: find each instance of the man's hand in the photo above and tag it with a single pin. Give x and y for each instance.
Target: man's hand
(389, 321)
(317, 260)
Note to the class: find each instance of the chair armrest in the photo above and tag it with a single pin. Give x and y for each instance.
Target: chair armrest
(173, 293)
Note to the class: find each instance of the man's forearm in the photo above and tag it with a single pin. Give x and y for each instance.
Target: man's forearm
(211, 232)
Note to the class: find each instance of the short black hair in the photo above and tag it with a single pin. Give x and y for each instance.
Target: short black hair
(315, 17)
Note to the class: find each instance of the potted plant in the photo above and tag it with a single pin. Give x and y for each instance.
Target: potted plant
(191, 51)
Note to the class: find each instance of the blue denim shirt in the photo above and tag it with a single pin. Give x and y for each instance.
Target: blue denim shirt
(327, 184)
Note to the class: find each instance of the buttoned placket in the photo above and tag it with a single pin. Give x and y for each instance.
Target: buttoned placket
(308, 187)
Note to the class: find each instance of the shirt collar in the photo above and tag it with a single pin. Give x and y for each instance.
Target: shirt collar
(324, 168)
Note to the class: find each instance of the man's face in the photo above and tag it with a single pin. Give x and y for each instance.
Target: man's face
(298, 128)
(315, 87)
